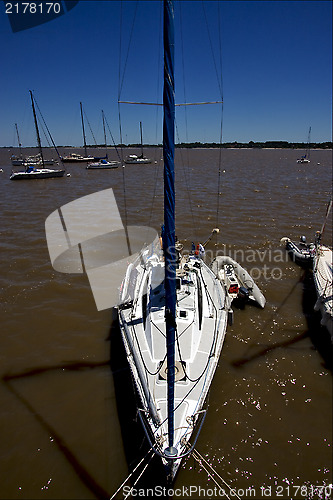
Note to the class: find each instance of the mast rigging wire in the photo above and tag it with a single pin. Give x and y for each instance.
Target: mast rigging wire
(219, 77)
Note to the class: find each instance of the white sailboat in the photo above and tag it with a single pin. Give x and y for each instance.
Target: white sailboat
(138, 159)
(173, 316)
(77, 158)
(33, 170)
(306, 157)
(103, 163)
(18, 161)
(323, 278)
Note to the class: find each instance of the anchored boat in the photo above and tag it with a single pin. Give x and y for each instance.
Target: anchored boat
(138, 159)
(33, 171)
(173, 316)
(323, 279)
(301, 253)
(306, 157)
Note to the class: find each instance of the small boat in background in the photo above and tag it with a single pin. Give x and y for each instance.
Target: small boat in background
(18, 161)
(76, 158)
(103, 164)
(240, 285)
(306, 158)
(138, 159)
(301, 253)
(30, 160)
(33, 170)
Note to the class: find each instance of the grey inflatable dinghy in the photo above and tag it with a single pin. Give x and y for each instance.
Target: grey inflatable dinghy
(240, 284)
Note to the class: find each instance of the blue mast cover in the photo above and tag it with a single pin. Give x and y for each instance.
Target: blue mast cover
(169, 206)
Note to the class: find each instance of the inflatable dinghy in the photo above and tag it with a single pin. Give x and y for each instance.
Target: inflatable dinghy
(240, 284)
(302, 253)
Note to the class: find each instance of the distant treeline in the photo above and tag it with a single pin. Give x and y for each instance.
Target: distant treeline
(235, 144)
(266, 144)
(240, 145)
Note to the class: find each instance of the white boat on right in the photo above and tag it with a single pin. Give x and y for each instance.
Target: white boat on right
(323, 275)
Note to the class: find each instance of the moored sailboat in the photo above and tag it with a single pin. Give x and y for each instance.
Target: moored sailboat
(103, 163)
(138, 159)
(323, 277)
(39, 171)
(306, 157)
(173, 316)
(18, 161)
(78, 158)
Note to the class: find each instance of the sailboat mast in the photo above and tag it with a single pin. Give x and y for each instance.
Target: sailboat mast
(36, 126)
(169, 212)
(18, 139)
(106, 148)
(141, 140)
(83, 132)
(308, 151)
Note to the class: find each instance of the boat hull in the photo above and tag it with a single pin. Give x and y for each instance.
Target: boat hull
(137, 160)
(77, 159)
(201, 321)
(30, 160)
(39, 174)
(300, 254)
(322, 275)
(103, 166)
(133, 162)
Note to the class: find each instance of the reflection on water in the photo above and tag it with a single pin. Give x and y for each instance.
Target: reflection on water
(68, 420)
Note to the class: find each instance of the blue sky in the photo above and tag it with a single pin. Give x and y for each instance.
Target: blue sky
(276, 69)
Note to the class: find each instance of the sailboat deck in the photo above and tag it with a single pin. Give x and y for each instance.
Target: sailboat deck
(201, 316)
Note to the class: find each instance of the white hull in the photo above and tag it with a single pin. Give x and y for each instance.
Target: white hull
(137, 160)
(200, 336)
(323, 274)
(103, 165)
(75, 158)
(19, 162)
(37, 173)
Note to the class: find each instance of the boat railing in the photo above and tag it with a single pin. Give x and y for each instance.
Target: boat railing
(202, 416)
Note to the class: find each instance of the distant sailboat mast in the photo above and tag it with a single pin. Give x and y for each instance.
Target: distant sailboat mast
(308, 150)
(18, 139)
(106, 150)
(37, 131)
(141, 140)
(83, 132)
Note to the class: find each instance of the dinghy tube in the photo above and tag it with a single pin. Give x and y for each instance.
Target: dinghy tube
(248, 290)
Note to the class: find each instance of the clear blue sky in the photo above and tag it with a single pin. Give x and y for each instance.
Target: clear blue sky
(276, 68)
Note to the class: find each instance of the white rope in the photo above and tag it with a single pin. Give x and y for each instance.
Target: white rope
(140, 475)
(131, 474)
(198, 458)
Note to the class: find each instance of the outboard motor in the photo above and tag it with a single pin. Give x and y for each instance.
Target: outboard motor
(242, 297)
